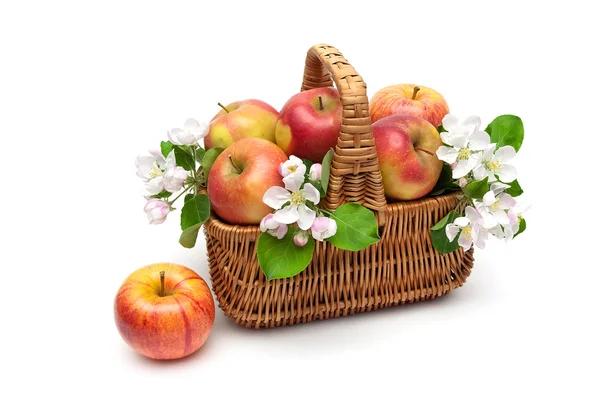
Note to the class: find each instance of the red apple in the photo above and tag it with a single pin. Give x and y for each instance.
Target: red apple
(408, 99)
(406, 147)
(240, 120)
(240, 177)
(164, 311)
(309, 123)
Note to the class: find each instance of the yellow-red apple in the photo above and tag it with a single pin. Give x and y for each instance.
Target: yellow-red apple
(240, 177)
(408, 99)
(240, 120)
(309, 123)
(164, 311)
(406, 147)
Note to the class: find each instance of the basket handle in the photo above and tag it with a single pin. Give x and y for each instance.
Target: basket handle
(355, 175)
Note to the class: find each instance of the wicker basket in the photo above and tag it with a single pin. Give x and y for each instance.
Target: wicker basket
(402, 267)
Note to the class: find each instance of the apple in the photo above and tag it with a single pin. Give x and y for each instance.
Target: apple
(408, 99)
(240, 120)
(164, 311)
(406, 147)
(239, 178)
(309, 123)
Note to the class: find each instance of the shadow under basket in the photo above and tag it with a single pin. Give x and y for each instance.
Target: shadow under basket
(403, 267)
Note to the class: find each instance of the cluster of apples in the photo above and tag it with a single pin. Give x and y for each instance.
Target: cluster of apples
(256, 139)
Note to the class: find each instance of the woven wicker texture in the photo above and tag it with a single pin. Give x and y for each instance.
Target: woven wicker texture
(401, 268)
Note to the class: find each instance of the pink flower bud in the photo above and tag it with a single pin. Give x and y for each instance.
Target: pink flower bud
(315, 172)
(462, 182)
(323, 228)
(157, 210)
(301, 238)
(453, 165)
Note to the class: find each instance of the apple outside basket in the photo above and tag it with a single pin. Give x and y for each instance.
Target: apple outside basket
(403, 267)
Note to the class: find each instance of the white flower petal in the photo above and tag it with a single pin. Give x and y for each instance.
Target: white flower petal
(501, 217)
(498, 187)
(293, 181)
(506, 201)
(155, 186)
(473, 123)
(309, 192)
(464, 167)
(461, 221)
(473, 215)
(157, 156)
(507, 173)
(447, 154)
(287, 215)
(458, 140)
(276, 196)
(489, 198)
(306, 217)
(281, 231)
(450, 122)
(144, 165)
(479, 140)
(505, 154)
(170, 160)
(465, 241)
(479, 172)
(451, 231)
(488, 221)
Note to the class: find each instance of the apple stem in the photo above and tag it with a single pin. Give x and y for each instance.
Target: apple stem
(162, 284)
(223, 107)
(415, 91)
(320, 103)
(424, 151)
(239, 171)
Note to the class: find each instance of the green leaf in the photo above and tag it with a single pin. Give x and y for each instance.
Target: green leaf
(515, 189)
(438, 234)
(477, 189)
(522, 227)
(441, 128)
(200, 154)
(281, 258)
(189, 236)
(356, 227)
(163, 195)
(445, 182)
(308, 164)
(184, 159)
(209, 159)
(165, 148)
(196, 210)
(506, 130)
(325, 169)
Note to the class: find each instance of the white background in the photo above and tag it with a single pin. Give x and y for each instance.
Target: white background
(85, 88)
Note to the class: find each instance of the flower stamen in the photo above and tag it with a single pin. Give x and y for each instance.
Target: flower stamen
(464, 154)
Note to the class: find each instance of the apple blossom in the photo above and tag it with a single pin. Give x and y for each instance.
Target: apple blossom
(470, 229)
(301, 238)
(462, 182)
(515, 215)
(315, 172)
(191, 132)
(272, 227)
(174, 178)
(297, 211)
(494, 206)
(292, 166)
(151, 170)
(496, 163)
(157, 210)
(323, 227)
(465, 144)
